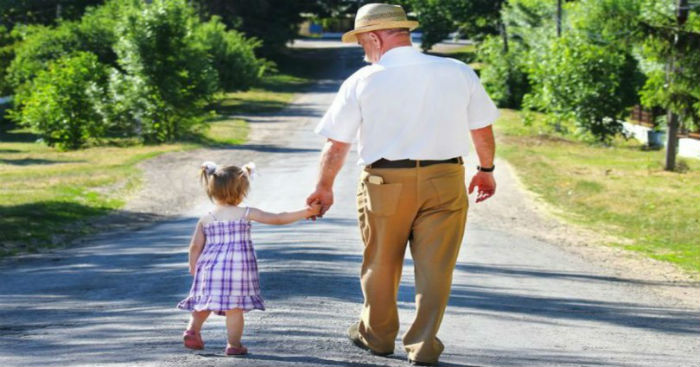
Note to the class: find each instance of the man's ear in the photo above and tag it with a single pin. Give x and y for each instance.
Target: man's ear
(375, 39)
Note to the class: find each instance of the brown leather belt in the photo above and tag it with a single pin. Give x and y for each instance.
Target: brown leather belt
(410, 163)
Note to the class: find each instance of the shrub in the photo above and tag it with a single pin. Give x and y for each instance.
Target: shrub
(60, 104)
(593, 84)
(504, 74)
(41, 45)
(232, 55)
(168, 78)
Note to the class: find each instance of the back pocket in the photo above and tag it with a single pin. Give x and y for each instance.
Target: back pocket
(382, 199)
(451, 191)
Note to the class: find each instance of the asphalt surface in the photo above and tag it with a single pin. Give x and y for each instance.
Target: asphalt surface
(516, 301)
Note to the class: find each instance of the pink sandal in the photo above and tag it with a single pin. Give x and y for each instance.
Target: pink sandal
(236, 351)
(193, 340)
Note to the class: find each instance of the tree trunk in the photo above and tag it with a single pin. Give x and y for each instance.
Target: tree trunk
(559, 18)
(671, 141)
(672, 133)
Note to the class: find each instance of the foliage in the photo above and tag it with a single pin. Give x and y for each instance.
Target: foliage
(593, 84)
(435, 21)
(45, 12)
(59, 106)
(658, 47)
(505, 74)
(168, 78)
(439, 18)
(8, 44)
(529, 26)
(275, 22)
(40, 45)
(232, 55)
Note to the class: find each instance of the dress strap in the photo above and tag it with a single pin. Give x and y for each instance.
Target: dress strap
(247, 213)
(213, 216)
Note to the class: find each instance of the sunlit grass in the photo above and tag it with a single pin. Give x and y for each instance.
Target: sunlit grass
(619, 189)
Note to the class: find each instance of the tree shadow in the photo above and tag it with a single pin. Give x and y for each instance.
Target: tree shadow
(496, 269)
(35, 161)
(43, 225)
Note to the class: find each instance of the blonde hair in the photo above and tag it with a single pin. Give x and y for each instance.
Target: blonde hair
(226, 185)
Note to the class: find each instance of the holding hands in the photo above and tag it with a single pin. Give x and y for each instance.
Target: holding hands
(313, 210)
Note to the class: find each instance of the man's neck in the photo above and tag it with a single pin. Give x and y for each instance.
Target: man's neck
(392, 44)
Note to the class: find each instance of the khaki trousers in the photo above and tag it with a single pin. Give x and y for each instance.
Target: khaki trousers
(426, 207)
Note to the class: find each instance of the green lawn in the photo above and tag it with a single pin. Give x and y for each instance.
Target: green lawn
(620, 189)
(46, 195)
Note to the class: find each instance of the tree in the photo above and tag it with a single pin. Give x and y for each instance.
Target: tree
(528, 26)
(439, 18)
(45, 12)
(672, 39)
(275, 22)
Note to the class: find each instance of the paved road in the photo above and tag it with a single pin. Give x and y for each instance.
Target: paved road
(516, 301)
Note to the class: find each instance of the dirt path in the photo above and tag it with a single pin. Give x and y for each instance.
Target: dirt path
(517, 299)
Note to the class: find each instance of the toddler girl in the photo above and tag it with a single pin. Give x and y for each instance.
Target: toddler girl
(222, 258)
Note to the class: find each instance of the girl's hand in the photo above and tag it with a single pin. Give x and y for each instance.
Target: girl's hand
(313, 209)
(192, 270)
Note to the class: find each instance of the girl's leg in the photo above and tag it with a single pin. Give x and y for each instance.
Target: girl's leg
(234, 327)
(192, 336)
(197, 319)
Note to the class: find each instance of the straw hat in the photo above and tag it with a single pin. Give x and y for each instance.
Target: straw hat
(372, 17)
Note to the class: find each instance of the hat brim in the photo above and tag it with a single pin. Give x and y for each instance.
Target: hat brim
(351, 36)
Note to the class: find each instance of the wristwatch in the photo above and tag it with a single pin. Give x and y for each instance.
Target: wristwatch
(486, 169)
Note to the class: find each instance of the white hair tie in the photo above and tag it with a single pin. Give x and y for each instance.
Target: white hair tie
(250, 169)
(210, 167)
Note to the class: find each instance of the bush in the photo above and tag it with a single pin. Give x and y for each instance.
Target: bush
(232, 55)
(504, 75)
(168, 78)
(60, 104)
(592, 84)
(41, 45)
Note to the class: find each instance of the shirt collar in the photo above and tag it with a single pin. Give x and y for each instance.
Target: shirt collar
(398, 55)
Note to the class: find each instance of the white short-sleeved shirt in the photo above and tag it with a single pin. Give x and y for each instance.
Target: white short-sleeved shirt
(409, 106)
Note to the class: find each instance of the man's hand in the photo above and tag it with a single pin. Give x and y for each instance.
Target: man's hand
(322, 195)
(486, 184)
(332, 158)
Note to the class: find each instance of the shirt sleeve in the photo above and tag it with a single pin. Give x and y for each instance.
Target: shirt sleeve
(481, 111)
(342, 120)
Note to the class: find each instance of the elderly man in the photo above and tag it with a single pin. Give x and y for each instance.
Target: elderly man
(411, 114)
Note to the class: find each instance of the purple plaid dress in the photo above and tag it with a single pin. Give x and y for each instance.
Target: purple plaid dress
(226, 275)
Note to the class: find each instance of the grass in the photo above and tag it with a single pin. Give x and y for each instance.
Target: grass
(274, 93)
(620, 189)
(47, 197)
(46, 194)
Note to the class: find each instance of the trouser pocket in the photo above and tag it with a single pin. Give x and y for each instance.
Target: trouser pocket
(450, 191)
(382, 199)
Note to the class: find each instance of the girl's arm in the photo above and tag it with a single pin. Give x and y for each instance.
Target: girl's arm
(284, 217)
(196, 246)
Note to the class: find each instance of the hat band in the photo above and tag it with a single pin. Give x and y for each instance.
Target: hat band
(372, 19)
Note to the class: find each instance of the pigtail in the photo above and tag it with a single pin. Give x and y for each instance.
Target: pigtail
(207, 169)
(249, 170)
